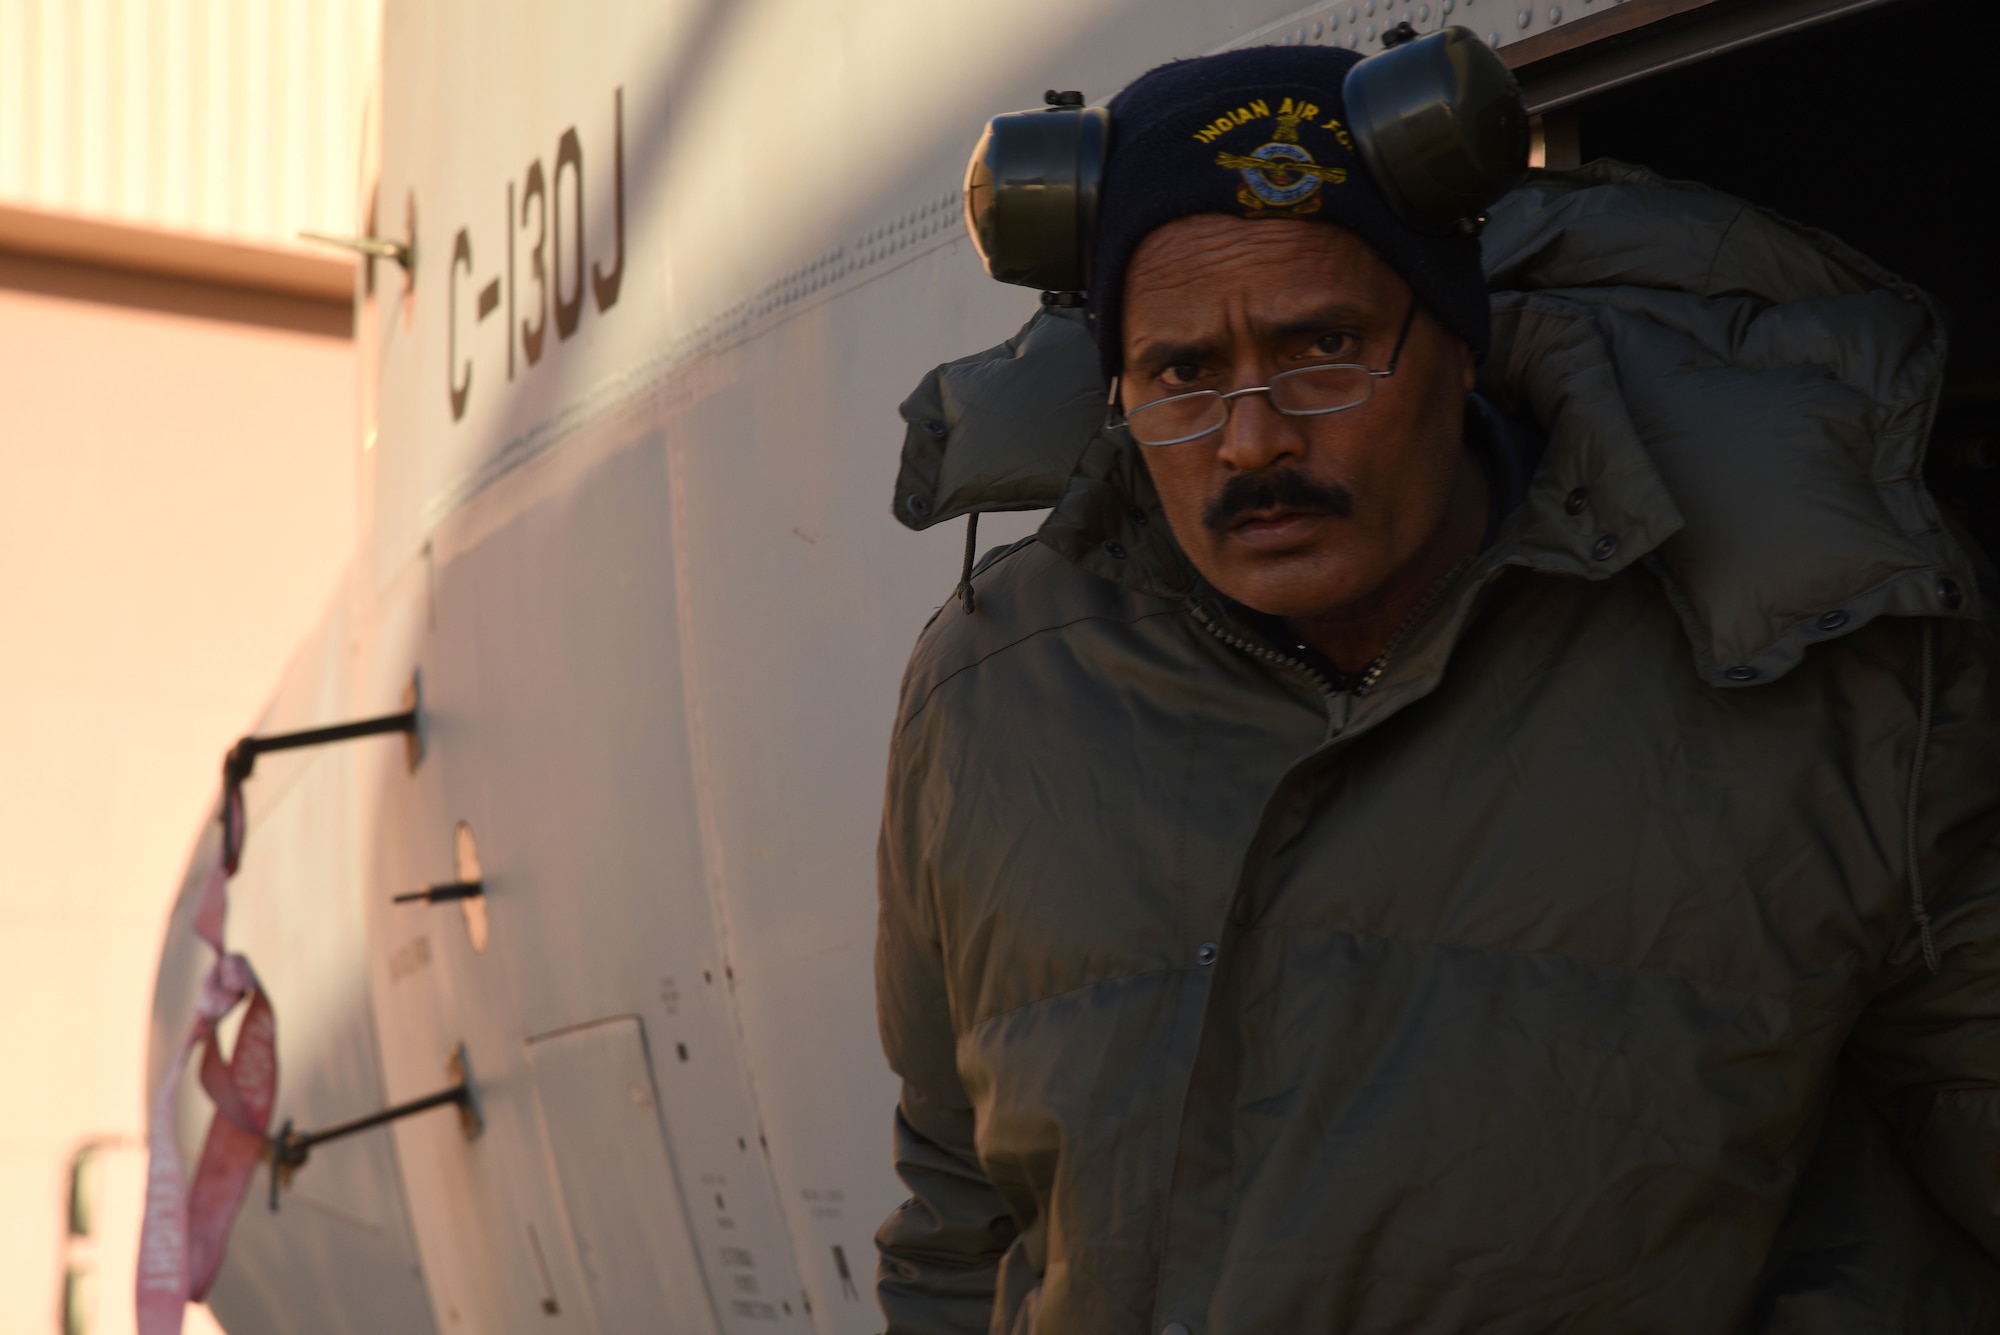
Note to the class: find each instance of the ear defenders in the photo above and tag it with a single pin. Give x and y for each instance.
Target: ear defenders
(1438, 120)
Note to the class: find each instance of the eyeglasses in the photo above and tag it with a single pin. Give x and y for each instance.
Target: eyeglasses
(1310, 391)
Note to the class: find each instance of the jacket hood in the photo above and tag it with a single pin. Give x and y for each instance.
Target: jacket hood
(1738, 401)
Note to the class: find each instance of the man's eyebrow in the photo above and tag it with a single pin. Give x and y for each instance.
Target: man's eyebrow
(1318, 322)
(1156, 355)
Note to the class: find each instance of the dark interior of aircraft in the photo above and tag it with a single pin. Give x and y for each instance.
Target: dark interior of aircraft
(1883, 129)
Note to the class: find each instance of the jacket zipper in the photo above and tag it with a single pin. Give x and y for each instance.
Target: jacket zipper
(1373, 672)
(1259, 651)
(1369, 675)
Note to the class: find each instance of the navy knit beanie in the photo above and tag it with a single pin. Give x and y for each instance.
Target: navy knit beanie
(1184, 138)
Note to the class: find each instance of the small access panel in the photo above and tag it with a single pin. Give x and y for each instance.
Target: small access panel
(608, 1149)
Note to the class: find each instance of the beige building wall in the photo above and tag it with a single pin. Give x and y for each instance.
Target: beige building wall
(178, 452)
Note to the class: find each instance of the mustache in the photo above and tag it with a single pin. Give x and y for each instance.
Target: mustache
(1277, 489)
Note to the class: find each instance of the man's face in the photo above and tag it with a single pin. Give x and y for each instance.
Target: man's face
(1294, 516)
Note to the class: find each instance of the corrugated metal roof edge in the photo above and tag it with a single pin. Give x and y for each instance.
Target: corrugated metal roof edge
(219, 261)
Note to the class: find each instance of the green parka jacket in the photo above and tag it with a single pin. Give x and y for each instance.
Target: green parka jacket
(1570, 978)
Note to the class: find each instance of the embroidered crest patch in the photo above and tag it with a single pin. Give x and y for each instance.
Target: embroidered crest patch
(1281, 178)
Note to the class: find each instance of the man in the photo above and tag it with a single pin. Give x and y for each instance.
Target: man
(1391, 858)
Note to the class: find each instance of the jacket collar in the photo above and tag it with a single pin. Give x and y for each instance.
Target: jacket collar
(1597, 504)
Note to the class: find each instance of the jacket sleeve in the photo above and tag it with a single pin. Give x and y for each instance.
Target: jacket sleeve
(1929, 1043)
(940, 1250)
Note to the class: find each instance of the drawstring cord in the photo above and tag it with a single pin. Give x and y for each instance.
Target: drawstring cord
(965, 572)
(1917, 909)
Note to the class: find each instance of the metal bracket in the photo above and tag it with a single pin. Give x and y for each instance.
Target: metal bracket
(374, 247)
(241, 760)
(288, 1151)
(443, 894)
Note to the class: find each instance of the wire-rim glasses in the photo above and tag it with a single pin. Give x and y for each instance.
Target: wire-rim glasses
(1309, 391)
